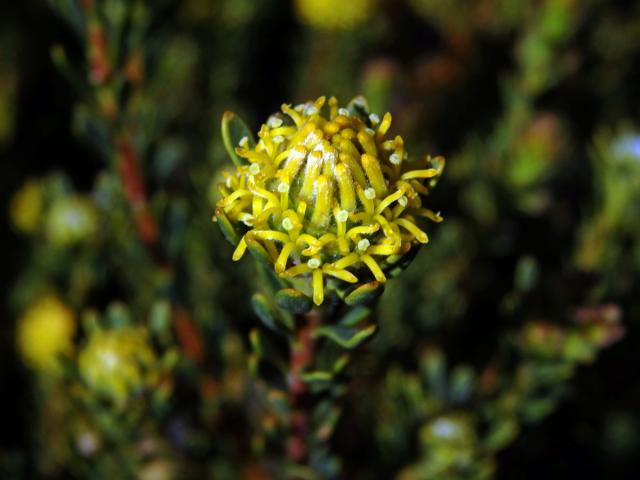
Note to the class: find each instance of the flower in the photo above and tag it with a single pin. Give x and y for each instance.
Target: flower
(117, 363)
(44, 332)
(71, 220)
(26, 207)
(451, 431)
(450, 447)
(328, 196)
(334, 14)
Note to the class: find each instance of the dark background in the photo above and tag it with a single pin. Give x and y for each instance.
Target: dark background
(578, 441)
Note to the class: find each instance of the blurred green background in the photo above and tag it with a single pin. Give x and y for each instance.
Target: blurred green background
(535, 105)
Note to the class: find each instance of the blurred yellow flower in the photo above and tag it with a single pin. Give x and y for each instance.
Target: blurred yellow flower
(450, 445)
(334, 14)
(26, 207)
(118, 363)
(158, 469)
(328, 194)
(44, 332)
(70, 220)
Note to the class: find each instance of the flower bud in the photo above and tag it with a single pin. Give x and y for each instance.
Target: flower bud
(26, 207)
(115, 364)
(334, 14)
(327, 193)
(71, 220)
(44, 332)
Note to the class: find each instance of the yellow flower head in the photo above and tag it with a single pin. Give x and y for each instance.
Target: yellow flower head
(326, 193)
(70, 220)
(334, 14)
(44, 332)
(118, 363)
(26, 207)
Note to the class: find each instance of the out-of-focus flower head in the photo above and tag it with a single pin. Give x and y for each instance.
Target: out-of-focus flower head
(334, 14)
(602, 324)
(44, 332)
(451, 430)
(326, 193)
(118, 363)
(70, 220)
(26, 207)
(615, 158)
(449, 443)
(158, 469)
(543, 339)
(595, 328)
(539, 146)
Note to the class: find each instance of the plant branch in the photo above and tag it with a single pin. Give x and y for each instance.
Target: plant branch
(302, 355)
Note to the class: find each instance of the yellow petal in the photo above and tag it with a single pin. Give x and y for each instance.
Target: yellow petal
(362, 230)
(295, 116)
(239, 251)
(311, 173)
(341, 274)
(427, 173)
(281, 262)
(271, 235)
(367, 142)
(297, 270)
(346, 261)
(324, 195)
(385, 124)
(374, 174)
(345, 185)
(374, 267)
(318, 287)
(389, 200)
(413, 228)
(354, 167)
(383, 249)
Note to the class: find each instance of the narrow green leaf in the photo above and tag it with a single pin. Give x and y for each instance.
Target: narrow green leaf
(340, 364)
(257, 251)
(501, 434)
(270, 278)
(462, 384)
(354, 316)
(252, 364)
(266, 312)
(316, 376)
(279, 401)
(434, 369)
(225, 226)
(233, 131)
(293, 301)
(399, 263)
(255, 341)
(346, 337)
(325, 418)
(160, 319)
(265, 351)
(365, 294)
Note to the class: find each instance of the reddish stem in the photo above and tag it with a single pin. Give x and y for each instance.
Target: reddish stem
(301, 357)
(189, 336)
(99, 68)
(135, 192)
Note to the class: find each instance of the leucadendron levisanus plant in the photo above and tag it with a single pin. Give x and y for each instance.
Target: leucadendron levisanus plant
(330, 205)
